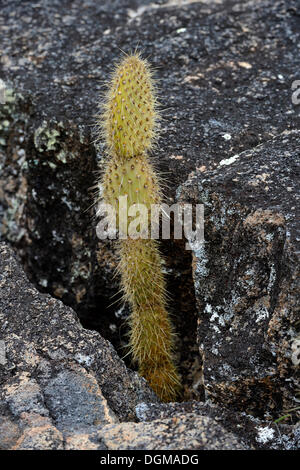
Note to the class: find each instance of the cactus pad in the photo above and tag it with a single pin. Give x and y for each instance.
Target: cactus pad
(130, 116)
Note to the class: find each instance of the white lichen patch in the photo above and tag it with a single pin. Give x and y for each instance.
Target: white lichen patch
(216, 317)
(272, 278)
(295, 356)
(265, 434)
(2, 353)
(226, 371)
(201, 260)
(219, 221)
(216, 329)
(141, 411)
(215, 351)
(262, 314)
(229, 161)
(208, 308)
(83, 359)
(269, 237)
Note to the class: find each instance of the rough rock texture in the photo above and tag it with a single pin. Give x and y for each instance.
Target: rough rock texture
(183, 431)
(253, 433)
(54, 375)
(63, 387)
(225, 71)
(180, 432)
(246, 276)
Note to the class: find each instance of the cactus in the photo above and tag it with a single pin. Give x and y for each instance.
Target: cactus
(128, 125)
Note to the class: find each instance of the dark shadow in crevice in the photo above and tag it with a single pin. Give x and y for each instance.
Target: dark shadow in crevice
(108, 315)
(109, 318)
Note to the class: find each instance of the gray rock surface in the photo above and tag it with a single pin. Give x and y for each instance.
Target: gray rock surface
(228, 138)
(63, 387)
(185, 431)
(225, 72)
(54, 374)
(253, 433)
(246, 276)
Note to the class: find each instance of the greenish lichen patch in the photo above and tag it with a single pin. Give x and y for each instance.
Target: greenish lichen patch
(62, 156)
(51, 137)
(4, 124)
(45, 138)
(9, 95)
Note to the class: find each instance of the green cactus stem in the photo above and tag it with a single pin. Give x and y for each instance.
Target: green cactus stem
(128, 126)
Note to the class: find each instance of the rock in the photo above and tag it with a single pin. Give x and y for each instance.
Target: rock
(219, 96)
(45, 437)
(9, 432)
(246, 276)
(57, 379)
(63, 387)
(252, 433)
(226, 71)
(181, 432)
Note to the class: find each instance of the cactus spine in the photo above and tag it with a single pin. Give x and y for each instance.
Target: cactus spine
(128, 126)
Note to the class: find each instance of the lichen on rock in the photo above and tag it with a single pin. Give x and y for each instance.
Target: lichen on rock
(248, 308)
(228, 139)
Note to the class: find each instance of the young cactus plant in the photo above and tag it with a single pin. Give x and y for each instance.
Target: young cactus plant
(128, 126)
